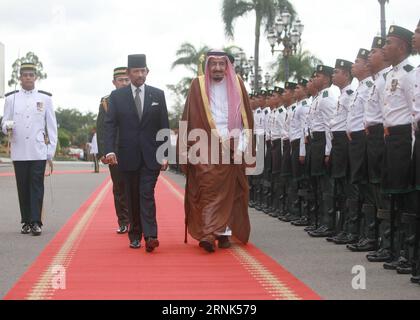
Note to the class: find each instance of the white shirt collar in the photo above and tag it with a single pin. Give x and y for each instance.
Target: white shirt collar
(134, 88)
(345, 89)
(401, 64)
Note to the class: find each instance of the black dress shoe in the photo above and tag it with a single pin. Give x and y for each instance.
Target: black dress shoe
(382, 255)
(302, 222)
(26, 229)
(350, 239)
(310, 228)
(364, 245)
(340, 236)
(135, 244)
(208, 246)
(223, 242)
(415, 279)
(122, 230)
(151, 244)
(36, 229)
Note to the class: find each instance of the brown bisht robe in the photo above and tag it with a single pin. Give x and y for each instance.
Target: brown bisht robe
(216, 195)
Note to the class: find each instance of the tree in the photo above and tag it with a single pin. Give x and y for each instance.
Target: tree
(31, 58)
(264, 13)
(301, 65)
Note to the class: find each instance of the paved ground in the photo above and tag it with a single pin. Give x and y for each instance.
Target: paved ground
(17, 251)
(324, 267)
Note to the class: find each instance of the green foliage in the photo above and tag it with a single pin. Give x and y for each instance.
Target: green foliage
(76, 125)
(30, 57)
(301, 65)
(64, 138)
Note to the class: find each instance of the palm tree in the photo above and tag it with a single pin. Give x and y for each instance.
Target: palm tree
(264, 13)
(301, 65)
(189, 56)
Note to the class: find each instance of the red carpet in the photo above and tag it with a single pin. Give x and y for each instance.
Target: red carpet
(98, 263)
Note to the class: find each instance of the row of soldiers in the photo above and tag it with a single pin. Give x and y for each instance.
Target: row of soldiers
(348, 169)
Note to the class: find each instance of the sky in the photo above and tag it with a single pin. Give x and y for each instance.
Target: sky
(80, 42)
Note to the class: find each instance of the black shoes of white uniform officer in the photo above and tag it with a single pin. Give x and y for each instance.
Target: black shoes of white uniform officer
(322, 232)
(35, 229)
(364, 245)
(26, 228)
(382, 255)
(122, 230)
(401, 265)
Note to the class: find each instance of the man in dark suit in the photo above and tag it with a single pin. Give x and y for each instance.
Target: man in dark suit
(138, 112)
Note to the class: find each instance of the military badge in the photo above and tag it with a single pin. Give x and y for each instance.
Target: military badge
(394, 85)
(40, 106)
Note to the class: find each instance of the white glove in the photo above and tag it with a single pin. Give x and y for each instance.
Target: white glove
(9, 124)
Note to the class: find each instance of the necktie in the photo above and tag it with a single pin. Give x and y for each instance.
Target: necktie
(137, 101)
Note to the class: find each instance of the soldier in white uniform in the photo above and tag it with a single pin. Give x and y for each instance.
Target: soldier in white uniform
(287, 214)
(362, 213)
(319, 119)
(376, 148)
(259, 130)
(30, 120)
(416, 100)
(339, 162)
(276, 128)
(398, 117)
(297, 138)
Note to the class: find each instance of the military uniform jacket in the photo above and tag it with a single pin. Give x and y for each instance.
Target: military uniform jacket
(34, 136)
(298, 123)
(374, 107)
(279, 119)
(398, 100)
(266, 114)
(258, 122)
(415, 76)
(322, 110)
(356, 116)
(339, 120)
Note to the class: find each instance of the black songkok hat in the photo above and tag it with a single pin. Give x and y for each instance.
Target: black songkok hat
(278, 90)
(326, 70)
(343, 64)
(378, 43)
(290, 85)
(303, 82)
(363, 54)
(402, 33)
(263, 93)
(137, 61)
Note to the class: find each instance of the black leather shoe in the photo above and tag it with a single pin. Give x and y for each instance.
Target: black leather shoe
(303, 222)
(415, 279)
(122, 230)
(208, 246)
(36, 230)
(350, 239)
(135, 244)
(310, 228)
(151, 244)
(382, 255)
(26, 229)
(391, 265)
(342, 235)
(405, 268)
(324, 234)
(223, 242)
(364, 245)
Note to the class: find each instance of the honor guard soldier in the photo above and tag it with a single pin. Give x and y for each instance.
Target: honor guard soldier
(259, 131)
(276, 152)
(286, 164)
(398, 118)
(30, 122)
(267, 159)
(120, 80)
(344, 196)
(312, 203)
(416, 98)
(251, 179)
(319, 117)
(362, 214)
(375, 150)
(297, 138)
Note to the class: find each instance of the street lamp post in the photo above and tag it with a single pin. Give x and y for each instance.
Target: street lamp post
(286, 32)
(383, 17)
(242, 67)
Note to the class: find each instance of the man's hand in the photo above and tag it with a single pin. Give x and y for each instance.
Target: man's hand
(165, 165)
(306, 140)
(302, 160)
(49, 168)
(104, 160)
(327, 161)
(112, 159)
